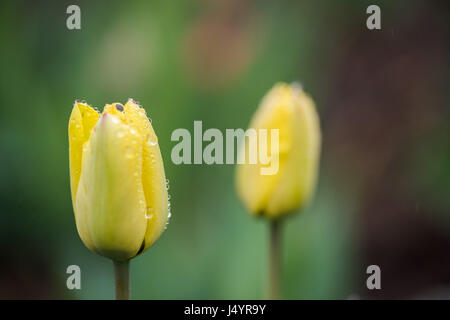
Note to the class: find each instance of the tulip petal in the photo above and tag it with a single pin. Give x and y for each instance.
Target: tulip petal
(110, 198)
(82, 119)
(153, 176)
(299, 172)
(274, 113)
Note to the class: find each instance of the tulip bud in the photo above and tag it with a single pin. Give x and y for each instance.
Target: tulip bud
(291, 111)
(117, 179)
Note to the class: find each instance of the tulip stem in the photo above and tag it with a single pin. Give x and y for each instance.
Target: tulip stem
(122, 279)
(275, 260)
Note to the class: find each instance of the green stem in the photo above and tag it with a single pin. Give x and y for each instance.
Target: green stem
(122, 279)
(275, 260)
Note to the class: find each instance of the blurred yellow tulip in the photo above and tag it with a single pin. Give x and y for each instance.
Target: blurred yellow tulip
(117, 179)
(291, 111)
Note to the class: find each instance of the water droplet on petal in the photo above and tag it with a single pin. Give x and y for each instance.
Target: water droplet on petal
(115, 120)
(129, 154)
(149, 213)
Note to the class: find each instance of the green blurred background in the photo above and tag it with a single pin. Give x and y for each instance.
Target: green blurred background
(383, 98)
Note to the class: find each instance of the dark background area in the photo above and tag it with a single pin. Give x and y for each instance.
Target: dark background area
(382, 96)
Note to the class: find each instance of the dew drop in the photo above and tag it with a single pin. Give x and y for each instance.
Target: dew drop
(119, 107)
(129, 153)
(168, 220)
(149, 213)
(114, 119)
(169, 213)
(152, 140)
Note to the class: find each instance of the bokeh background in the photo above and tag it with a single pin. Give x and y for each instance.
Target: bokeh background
(383, 98)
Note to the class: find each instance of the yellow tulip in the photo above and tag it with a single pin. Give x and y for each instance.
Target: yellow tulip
(291, 111)
(117, 179)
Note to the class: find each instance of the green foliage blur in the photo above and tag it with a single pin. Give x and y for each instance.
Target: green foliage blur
(383, 101)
